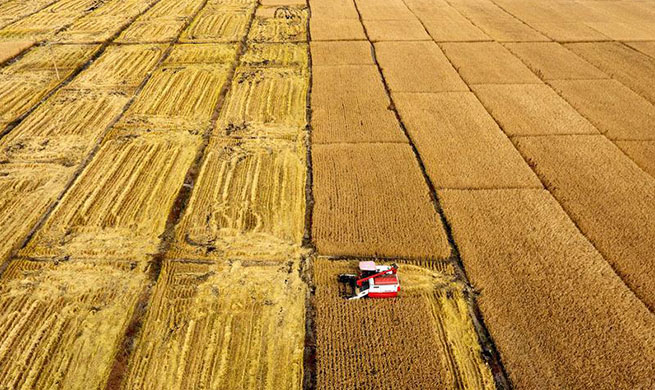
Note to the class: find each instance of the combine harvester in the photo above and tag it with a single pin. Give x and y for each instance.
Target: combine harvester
(374, 281)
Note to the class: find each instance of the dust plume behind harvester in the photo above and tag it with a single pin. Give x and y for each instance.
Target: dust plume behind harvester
(373, 281)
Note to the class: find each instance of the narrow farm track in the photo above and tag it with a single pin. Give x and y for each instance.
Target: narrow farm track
(181, 182)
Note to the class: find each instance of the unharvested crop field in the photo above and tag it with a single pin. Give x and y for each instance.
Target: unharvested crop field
(182, 181)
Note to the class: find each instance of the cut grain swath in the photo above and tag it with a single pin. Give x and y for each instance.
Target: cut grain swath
(61, 324)
(222, 326)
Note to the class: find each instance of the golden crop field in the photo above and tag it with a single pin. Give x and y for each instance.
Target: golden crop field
(183, 181)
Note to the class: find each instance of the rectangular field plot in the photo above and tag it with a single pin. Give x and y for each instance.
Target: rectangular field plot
(119, 205)
(613, 205)
(422, 339)
(153, 30)
(249, 202)
(27, 192)
(120, 68)
(12, 10)
(276, 54)
(519, 247)
(229, 25)
(371, 200)
(266, 102)
(222, 327)
(178, 97)
(94, 28)
(58, 59)
(202, 53)
(64, 129)
(62, 325)
(279, 24)
(172, 8)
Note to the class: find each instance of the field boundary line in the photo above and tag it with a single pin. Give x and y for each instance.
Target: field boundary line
(489, 350)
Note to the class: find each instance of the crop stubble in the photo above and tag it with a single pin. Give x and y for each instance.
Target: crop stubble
(424, 338)
(61, 324)
(249, 203)
(222, 326)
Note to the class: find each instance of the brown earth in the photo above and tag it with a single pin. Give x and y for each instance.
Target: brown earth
(460, 144)
(559, 315)
(612, 206)
(371, 200)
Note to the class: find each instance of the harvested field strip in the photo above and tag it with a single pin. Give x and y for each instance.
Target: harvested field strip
(266, 102)
(280, 24)
(276, 54)
(459, 142)
(371, 200)
(194, 89)
(424, 338)
(64, 129)
(202, 53)
(641, 152)
(46, 23)
(222, 326)
(249, 203)
(118, 207)
(548, 294)
(11, 49)
(120, 68)
(61, 324)
(25, 82)
(162, 23)
(27, 192)
(218, 26)
(341, 53)
(613, 209)
(13, 10)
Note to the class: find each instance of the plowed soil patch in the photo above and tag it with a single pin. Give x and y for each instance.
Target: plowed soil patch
(531, 109)
(423, 338)
(119, 205)
(371, 200)
(460, 144)
(213, 326)
(613, 108)
(249, 203)
(350, 104)
(487, 62)
(628, 66)
(548, 295)
(551, 60)
(428, 70)
(27, 191)
(613, 206)
(62, 325)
